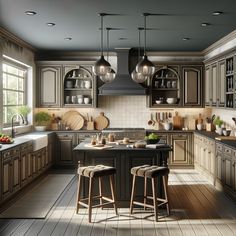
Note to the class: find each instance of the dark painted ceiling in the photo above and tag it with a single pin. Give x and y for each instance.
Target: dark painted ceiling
(79, 20)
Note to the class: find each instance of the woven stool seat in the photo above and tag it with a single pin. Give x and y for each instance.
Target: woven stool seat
(96, 171)
(148, 171)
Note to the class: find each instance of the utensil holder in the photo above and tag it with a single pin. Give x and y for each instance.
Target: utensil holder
(90, 125)
(209, 127)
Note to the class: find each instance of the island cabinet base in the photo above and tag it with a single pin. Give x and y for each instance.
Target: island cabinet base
(123, 161)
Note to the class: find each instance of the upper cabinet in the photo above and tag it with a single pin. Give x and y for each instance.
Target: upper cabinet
(192, 86)
(65, 85)
(176, 86)
(165, 87)
(79, 87)
(49, 84)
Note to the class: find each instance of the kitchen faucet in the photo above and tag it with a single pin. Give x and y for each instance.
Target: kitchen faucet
(12, 119)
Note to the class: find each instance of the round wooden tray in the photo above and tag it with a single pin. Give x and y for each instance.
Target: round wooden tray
(73, 119)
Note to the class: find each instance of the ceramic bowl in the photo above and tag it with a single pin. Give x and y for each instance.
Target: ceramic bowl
(171, 100)
(158, 102)
(226, 132)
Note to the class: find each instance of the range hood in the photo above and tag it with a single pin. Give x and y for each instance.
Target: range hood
(123, 83)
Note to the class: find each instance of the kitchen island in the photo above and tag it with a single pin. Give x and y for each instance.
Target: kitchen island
(123, 158)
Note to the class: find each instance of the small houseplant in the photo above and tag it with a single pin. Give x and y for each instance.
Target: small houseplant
(218, 123)
(152, 138)
(42, 120)
(24, 111)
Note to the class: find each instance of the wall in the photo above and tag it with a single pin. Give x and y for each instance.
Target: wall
(129, 111)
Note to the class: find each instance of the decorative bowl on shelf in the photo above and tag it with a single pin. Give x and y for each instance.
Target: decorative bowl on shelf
(171, 100)
(158, 101)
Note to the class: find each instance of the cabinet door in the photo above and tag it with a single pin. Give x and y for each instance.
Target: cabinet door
(208, 86)
(182, 150)
(24, 167)
(196, 150)
(6, 183)
(214, 83)
(192, 86)
(65, 149)
(219, 166)
(234, 175)
(16, 171)
(227, 171)
(221, 84)
(49, 82)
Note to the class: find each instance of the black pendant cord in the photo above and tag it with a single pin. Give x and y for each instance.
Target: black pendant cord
(139, 43)
(108, 31)
(101, 34)
(145, 34)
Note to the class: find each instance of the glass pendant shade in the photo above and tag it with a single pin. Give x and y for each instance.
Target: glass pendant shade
(145, 67)
(101, 67)
(109, 76)
(138, 77)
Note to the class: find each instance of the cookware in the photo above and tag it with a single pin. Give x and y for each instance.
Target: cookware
(177, 121)
(101, 122)
(151, 121)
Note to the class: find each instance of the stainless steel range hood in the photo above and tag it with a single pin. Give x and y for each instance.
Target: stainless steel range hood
(123, 83)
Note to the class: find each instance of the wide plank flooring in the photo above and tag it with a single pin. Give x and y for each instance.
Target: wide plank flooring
(197, 208)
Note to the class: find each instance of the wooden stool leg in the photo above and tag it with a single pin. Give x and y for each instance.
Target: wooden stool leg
(164, 178)
(112, 185)
(132, 195)
(100, 190)
(145, 192)
(90, 198)
(78, 194)
(155, 198)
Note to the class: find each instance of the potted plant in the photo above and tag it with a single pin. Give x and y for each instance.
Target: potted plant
(152, 138)
(24, 111)
(42, 119)
(218, 123)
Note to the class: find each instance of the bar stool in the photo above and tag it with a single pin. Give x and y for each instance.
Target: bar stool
(151, 172)
(92, 172)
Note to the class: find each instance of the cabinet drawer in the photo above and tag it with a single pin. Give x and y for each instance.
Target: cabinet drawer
(219, 147)
(227, 151)
(11, 152)
(26, 146)
(181, 136)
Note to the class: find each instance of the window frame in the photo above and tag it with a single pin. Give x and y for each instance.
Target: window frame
(20, 66)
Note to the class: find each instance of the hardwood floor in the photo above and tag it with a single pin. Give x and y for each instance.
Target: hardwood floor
(197, 208)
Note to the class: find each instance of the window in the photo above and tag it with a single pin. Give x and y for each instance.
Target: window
(14, 89)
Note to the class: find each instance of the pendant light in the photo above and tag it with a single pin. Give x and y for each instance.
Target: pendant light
(136, 76)
(145, 67)
(101, 66)
(110, 75)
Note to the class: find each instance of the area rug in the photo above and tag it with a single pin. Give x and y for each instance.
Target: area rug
(38, 201)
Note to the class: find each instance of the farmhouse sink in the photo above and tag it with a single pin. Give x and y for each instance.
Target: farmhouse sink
(39, 140)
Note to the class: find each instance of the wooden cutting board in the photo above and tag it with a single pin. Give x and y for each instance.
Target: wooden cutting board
(101, 122)
(177, 121)
(199, 119)
(225, 138)
(73, 119)
(192, 124)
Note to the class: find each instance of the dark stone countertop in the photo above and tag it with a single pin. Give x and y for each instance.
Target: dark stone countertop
(82, 147)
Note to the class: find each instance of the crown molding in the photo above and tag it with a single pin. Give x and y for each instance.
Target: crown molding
(220, 43)
(5, 33)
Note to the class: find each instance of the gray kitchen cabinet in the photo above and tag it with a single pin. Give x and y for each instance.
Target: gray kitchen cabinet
(192, 86)
(182, 144)
(49, 84)
(65, 144)
(221, 83)
(204, 156)
(182, 150)
(26, 162)
(215, 91)
(10, 171)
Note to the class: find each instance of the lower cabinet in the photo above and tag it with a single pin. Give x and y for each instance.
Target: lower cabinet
(204, 156)
(182, 144)
(19, 166)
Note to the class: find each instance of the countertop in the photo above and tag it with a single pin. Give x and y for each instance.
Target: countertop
(82, 147)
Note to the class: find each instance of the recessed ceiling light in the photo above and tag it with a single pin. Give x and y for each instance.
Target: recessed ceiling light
(68, 38)
(30, 13)
(217, 13)
(50, 24)
(205, 24)
(185, 39)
